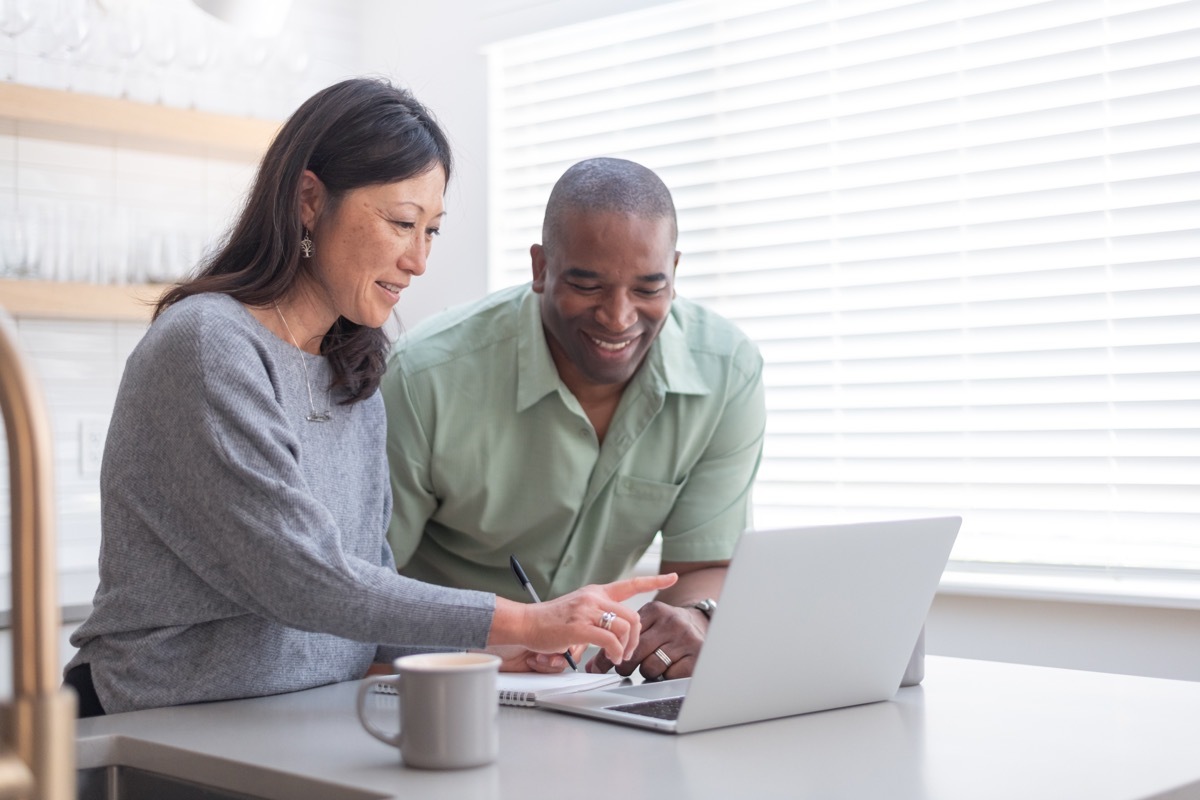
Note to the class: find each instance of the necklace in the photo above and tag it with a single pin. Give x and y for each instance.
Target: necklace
(314, 415)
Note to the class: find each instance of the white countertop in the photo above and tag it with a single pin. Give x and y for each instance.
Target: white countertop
(974, 729)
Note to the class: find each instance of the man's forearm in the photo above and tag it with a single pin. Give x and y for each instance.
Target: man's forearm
(694, 584)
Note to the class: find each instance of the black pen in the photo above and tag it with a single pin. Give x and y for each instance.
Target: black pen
(520, 573)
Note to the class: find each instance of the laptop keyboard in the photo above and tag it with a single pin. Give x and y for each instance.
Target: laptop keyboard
(666, 708)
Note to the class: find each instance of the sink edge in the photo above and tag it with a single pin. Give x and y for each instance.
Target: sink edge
(222, 773)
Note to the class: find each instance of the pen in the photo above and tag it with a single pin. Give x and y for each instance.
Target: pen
(520, 573)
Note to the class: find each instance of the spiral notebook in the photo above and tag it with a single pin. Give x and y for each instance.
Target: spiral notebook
(527, 688)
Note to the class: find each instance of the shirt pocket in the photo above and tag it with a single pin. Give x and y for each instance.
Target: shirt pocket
(640, 507)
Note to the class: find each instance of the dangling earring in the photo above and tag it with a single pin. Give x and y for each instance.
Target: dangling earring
(306, 245)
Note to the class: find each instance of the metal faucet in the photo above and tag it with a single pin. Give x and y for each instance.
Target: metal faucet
(37, 761)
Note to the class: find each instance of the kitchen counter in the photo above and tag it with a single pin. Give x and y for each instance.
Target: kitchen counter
(975, 729)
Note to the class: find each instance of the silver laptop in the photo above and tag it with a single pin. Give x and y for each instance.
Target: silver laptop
(809, 619)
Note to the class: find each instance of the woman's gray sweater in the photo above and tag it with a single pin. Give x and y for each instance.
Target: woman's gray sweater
(243, 547)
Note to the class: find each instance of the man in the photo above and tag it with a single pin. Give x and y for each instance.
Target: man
(568, 421)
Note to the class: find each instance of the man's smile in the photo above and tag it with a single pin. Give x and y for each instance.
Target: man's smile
(612, 347)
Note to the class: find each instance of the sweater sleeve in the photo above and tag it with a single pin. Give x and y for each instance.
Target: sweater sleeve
(224, 490)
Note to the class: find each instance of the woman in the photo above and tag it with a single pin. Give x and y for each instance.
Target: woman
(244, 488)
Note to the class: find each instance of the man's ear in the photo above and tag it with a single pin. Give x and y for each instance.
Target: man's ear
(312, 198)
(537, 257)
(674, 269)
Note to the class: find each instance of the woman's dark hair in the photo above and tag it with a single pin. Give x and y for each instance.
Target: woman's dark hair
(360, 132)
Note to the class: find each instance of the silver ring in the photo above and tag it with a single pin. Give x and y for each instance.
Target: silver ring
(606, 620)
(666, 659)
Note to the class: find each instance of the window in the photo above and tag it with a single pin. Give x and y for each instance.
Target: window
(965, 235)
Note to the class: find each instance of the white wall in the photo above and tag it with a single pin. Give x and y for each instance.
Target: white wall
(1127, 639)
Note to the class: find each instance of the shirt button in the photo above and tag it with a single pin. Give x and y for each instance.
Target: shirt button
(584, 431)
(568, 561)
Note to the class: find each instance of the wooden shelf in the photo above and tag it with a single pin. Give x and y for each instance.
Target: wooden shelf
(63, 300)
(73, 116)
(52, 113)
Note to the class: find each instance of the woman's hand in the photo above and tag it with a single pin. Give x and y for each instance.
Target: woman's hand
(574, 619)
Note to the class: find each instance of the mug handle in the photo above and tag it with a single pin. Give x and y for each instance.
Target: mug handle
(363, 689)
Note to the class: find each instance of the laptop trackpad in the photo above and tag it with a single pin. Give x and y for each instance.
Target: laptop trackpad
(648, 691)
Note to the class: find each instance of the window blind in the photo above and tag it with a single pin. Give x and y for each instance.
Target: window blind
(965, 235)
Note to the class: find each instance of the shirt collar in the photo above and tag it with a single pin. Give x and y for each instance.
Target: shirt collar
(536, 374)
(669, 366)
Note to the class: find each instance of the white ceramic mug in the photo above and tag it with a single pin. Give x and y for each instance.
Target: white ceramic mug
(449, 706)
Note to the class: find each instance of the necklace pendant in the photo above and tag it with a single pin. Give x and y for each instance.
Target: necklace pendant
(313, 415)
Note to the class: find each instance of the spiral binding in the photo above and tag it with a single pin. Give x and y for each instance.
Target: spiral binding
(510, 697)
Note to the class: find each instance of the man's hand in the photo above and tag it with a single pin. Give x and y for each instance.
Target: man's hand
(670, 626)
(678, 633)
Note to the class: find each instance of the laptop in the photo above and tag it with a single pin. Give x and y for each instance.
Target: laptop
(810, 619)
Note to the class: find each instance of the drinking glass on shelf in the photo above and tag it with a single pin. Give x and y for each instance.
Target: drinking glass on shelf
(77, 241)
(16, 17)
(158, 252)
(162, 265)
(126, 36)
(161, 47)
(60, 256)
(40, 220)
(248, 68)
(196, 51)
(60, 34)
(12, 244)
(197, 246)
(71, 31)
(26, 240)
(113, 256)
(289, 62)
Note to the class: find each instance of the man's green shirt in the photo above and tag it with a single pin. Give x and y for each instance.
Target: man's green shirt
(491, 455)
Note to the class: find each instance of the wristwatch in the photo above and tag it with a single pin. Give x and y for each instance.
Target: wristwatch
(706, 606)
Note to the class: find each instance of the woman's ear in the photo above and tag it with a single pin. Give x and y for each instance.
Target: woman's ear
(312, 198)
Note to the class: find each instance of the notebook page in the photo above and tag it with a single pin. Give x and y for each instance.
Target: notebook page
(526, 688)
